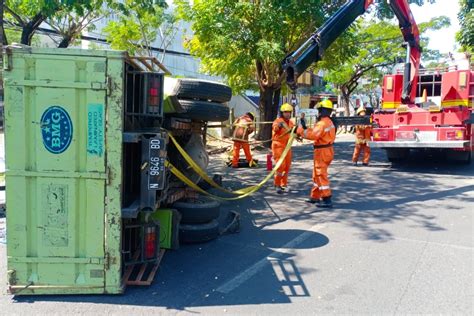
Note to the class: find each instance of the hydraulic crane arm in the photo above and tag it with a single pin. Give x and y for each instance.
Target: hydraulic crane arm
(313, 49)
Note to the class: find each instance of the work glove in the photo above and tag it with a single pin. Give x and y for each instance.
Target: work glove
(300, 130)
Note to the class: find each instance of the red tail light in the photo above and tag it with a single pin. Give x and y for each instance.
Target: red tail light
(154, 92)
(150, 242)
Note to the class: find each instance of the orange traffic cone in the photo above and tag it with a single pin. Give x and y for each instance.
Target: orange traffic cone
(424, 98)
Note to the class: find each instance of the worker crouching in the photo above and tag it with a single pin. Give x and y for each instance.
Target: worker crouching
(281, 130)
(362, 134)
(243, 127)
(323, 135)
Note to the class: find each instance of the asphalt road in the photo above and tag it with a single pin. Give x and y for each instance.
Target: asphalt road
(399, 240)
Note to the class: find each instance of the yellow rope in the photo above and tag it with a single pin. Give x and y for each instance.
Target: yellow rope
(242, 193)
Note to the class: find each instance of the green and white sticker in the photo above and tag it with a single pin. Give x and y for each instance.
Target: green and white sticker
(95, 129)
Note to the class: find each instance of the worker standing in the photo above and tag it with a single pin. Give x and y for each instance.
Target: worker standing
(323, 134)
(362, 134)
(281, 130)
(243, 127)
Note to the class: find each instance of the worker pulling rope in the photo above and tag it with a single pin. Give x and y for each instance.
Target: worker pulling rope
(242, 193)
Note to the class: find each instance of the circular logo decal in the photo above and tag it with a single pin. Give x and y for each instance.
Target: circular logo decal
(56, 129)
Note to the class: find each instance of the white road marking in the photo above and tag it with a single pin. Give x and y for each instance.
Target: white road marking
(244, 276)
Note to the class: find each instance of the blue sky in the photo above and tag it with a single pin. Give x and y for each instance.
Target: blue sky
(442, 40)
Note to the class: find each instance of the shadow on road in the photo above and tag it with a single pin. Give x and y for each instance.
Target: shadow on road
(190, 277)
(216, 273)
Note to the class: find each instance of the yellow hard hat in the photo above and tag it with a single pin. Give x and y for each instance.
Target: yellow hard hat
(285, 107)
(251, 115)
(360, 109)
(326, 103)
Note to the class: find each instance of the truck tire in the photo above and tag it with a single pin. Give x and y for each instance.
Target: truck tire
(397, 154)
(204, 111)
(198, 233)
(197, 211)
(193, 89)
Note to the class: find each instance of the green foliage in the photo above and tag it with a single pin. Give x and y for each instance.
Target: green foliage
(70, 22)
(466, 20)
(383, 10)
(29, 14)
(245, 40)
(138, 25)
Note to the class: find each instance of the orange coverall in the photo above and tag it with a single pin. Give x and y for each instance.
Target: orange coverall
(280, 138)
(324, 135)
(243, 127)
(362, 138)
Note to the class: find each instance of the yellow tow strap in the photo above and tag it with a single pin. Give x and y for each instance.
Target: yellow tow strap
(242, 193)
(201, 172)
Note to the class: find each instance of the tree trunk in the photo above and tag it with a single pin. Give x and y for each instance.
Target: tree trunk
(30, 28)
(345, 98)
(65, 41)
(268, 106)
(3, 39)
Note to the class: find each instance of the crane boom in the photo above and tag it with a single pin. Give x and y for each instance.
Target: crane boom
(312, 50)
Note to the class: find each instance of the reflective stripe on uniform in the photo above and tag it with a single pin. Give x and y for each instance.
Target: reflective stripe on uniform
(280, 174)
(328, 129)
(324, 187)
(315, 185)
(305, 133)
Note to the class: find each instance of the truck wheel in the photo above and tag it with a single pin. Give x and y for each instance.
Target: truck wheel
(204, 111)
(197, 211)
(397, 154)
(193, 89)
(198, 233)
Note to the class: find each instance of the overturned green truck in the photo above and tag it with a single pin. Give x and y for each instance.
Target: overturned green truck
(88, 194)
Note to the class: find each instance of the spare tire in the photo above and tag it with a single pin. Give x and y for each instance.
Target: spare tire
(198, 233)
(197, 211)
(204, 111)
(195, 89)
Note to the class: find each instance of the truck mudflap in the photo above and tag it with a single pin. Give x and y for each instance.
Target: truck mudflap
(458, 144)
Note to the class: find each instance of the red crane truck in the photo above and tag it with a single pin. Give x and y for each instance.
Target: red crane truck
(402, 124)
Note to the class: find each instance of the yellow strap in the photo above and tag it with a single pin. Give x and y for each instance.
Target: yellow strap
(243, 192)
(199, 171)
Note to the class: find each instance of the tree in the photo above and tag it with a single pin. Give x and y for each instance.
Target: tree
(69, 23)
(379, 46)
(30, 14)
(246, 41)
(138, 25)
(465, 36)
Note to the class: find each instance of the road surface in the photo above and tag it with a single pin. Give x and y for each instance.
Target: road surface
(399, 240)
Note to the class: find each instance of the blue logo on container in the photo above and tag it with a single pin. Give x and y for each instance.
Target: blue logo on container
(56, 129)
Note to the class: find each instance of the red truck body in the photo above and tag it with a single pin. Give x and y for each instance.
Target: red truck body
(444, 120)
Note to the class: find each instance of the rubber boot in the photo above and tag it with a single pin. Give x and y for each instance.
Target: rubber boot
(253, 164)
(325, 203)
(313, 201)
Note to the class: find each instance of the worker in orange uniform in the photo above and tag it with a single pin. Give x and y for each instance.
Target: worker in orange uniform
(243, 127)
(323, 134)
(281, 130)
(362, 133)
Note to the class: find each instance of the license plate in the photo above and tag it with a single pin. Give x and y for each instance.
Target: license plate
(427, 136)
(156, 170)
